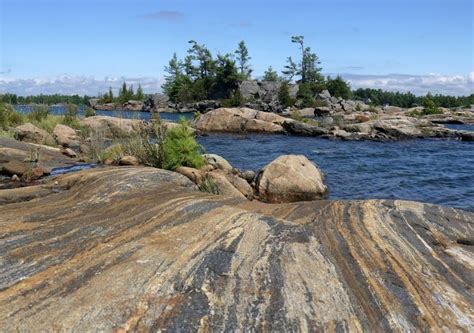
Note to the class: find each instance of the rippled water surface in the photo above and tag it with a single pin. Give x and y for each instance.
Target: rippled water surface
(435, 171)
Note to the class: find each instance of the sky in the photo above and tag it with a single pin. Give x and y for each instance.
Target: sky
(85, 46)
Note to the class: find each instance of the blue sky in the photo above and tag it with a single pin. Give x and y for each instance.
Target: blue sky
(418, 45)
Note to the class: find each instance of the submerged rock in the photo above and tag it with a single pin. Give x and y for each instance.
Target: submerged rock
(140, 249)
(291, 178)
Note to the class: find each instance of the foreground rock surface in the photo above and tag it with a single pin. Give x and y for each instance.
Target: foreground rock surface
(139, 249)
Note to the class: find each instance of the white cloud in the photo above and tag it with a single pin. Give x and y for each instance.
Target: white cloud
(457, 85)
(68, 85)
(86, 85)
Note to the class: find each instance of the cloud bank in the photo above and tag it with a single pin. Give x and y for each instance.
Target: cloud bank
(457, 85)
(85, 85)
(81, 85)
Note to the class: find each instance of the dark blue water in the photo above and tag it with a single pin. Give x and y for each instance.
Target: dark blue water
(72, 168)
(460, 127)
(435, 171)
(59, 110)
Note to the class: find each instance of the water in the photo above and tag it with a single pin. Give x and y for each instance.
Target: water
(72, 168)
(435, 171)
(460, 127)
(59, 110)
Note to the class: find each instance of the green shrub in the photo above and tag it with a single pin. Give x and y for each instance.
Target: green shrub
(90, 112)
(38, 113)
(284, 95)
(9, 117)
(208, 185)
(48, 123)
(235, 101)
(70, 115)
(180, 148)
(7, 134)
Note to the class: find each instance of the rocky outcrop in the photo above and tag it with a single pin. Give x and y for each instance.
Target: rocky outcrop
(32, 134)
(291, 178)
(132, 105)
(66, 136)
(113, 127)
(19, 158)
(303, 129)
(263, 95)
(105, 107)
(140, 249)
(239, 120)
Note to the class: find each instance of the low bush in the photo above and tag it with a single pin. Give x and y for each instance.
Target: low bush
(90, 112)
(38, 113)
(9, 117)
(180, 148)
(208, 185)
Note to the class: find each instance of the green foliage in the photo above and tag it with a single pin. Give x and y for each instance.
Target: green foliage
(10, 134)
(430, 106)
(270, 75)
(284, 95)
(181, 149)
(338, 87)
(107, 97)
(307, 91)
(38, 113)
(208, 185)
(70, 115)
(243, 58)
(307, 68)
(44, 99)
(47, 123)
(296, 115)
(90, 112)
(8, 117)
(139, 96)
(235, 100)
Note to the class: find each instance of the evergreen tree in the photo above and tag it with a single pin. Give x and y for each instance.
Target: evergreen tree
(110, 95)
(123, 94)
(270, 75)
(243, 58)
(139, 96)
(338, 87)
(227, 77)
(307, 69)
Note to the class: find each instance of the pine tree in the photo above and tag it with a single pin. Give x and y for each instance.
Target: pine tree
(271, 75)
(139, 96)
(243, 58)
(307, 68)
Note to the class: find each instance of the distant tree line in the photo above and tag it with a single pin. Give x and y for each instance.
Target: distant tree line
(125, 94)
(44, 99)
(407, 100)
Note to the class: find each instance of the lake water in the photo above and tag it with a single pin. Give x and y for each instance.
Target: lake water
(435, 171)
(59, 110)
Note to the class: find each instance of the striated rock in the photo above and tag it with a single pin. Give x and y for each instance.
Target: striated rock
(32, 134)
(291, 178)
(15, 168)
(238, 120)
(218, 162)
(68, 152)
(129, 160)
(191, 173)
(139, 249)
(113, 127)
(224, 186)
(66, 136)
(241, 185)
(31, 154)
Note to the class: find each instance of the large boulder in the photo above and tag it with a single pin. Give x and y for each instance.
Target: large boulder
(133, 105)
(239, 120)
(105, 107)
(291, 178)
(113, 127)
(32, 134)
(66, 136)
(224, 186)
